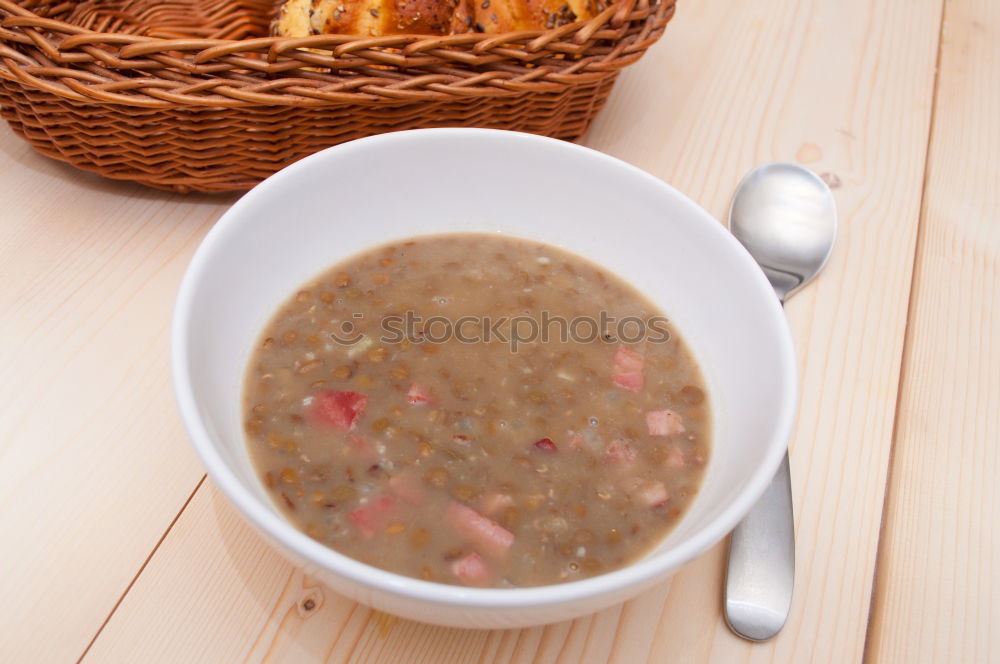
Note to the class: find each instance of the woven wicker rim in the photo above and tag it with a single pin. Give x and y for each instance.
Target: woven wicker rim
(87, 66)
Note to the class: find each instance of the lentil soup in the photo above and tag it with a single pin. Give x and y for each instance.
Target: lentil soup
(481, 453)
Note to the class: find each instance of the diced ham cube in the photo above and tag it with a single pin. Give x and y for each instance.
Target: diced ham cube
(408, 486)
(472, 570)
(419, 394)
(492, 503)
(627, 360)
(628, 369)
(545, 445)
(621, 452)
(369, 518)
(338, 409)
(675, 458)
(485, 533)
(664, 423)
(459, 439)
(651, 494)
(630, 380)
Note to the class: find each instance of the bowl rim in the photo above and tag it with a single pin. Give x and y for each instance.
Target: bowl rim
(281, 531)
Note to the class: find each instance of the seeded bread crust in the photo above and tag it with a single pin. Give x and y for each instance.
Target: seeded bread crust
(301, 18)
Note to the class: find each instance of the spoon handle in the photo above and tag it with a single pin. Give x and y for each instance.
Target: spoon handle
(761, 570)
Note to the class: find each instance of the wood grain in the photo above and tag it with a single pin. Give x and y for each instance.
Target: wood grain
(92, 455)
(938, 588)
(844, 87)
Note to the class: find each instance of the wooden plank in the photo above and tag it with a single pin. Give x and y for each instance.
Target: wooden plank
(93, 460)
(843, 86)
(938, 587)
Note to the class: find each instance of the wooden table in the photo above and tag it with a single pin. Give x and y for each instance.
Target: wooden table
(116, 548)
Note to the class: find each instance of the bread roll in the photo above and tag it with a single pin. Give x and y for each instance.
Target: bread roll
(301, 18)
(496, 16)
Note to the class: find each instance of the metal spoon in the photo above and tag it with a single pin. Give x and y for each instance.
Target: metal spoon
(786, 218)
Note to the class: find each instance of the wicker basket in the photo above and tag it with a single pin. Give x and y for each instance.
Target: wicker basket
(190, 95)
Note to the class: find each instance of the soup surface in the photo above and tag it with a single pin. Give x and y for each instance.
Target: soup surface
(479, 410)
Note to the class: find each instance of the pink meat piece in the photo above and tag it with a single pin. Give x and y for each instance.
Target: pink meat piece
(621, 452)
(337, 409)
(472, 570)
(545, 445)
(575, 442)
(369, 518)
(482, 531)
(664, 423)
(419, 394)
(651, 494)
(675, 458)
(628, 360)
(628, 369)
(632, 381)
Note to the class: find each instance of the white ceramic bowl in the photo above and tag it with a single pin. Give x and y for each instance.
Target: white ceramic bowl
(349, 198)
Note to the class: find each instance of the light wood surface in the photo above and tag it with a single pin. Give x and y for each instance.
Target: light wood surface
(114, 547)
(91, 449)
(938, 589)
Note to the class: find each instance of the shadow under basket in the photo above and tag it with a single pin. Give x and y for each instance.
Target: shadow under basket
(192, 95)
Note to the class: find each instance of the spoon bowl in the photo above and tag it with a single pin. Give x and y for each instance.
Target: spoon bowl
(786, 217)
